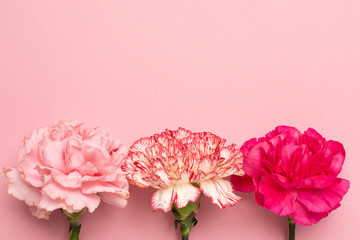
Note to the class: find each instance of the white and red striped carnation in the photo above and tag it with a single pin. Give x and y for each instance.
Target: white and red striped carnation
(181, 165)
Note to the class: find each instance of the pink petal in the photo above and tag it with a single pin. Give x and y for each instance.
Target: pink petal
(116, 199)
(243, 183)
(74, 198)
(20, 190)
(71, 180)
(276, 198)
(28, 165)
(97, 186)
(220, 191)
(163, 198)
(39, 213)
(303, 216)
(49, 204)
(54, 155)
(324, 199)
(75, 157)
(184, 193)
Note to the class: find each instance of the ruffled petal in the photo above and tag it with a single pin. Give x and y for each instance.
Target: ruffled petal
(255, 160)
(248, 145)
(335, 153)
(54, 155)
(116, 199)
(276, 198)
(243, 183)
(184, 193)
(325, 199)
(319, 181)
(71, 180)
(20, 190)
(220, 191)
(72, 197)
(28, 165)
(301, 215)
(39, 212)
(163, 198)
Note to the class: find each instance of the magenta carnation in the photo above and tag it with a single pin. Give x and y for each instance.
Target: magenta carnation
(294, 174)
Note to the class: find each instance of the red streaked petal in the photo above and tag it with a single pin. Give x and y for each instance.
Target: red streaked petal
(142, 144)
(163, 198)
(220, 191)
(185, 192)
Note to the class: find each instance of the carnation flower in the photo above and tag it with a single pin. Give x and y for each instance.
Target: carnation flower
(294, 174)
(71, 167)
(182, 165)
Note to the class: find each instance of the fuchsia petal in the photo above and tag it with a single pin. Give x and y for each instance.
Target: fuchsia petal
(248, 145)
(335, 153)
(243, 183)
(319, 181)
(220, 191)
(302, 216)
(255, 160)
(324, 199)
(276, 198)
(285, 131)
(295, 174)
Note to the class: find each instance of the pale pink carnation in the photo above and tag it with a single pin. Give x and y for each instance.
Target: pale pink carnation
(181, 165)
(68, 166)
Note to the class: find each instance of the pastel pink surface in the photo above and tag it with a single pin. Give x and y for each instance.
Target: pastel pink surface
(234, 68)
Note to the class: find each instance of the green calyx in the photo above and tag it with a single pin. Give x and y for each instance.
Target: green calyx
(74, 223)
(186, 217)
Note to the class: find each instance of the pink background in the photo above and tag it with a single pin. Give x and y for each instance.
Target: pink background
(235, 68)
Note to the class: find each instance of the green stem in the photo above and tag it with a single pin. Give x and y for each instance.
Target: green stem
(185, 237)
(291, 229)
(186, 217)
(74, 223)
